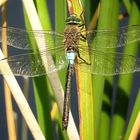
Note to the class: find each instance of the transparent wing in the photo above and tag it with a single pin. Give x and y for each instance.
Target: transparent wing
(19, 38)
(106, 63)
(31, 65)
(112, 38)
(102, 63)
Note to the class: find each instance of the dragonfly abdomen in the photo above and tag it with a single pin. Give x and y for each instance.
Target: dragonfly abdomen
(67, 95)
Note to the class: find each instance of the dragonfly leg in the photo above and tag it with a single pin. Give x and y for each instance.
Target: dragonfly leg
(82, 19)
(81, 26)
(83, 22)
(83, 38)
(84, 61)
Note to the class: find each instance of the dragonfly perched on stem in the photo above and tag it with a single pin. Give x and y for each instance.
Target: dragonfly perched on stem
(65, 48)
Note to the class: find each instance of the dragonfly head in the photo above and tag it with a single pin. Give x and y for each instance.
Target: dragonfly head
(73, 19)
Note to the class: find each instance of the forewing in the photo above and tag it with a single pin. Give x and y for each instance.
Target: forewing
(19, 38)
(112, 38)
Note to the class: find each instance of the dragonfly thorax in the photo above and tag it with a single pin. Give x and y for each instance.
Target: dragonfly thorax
(71, 37)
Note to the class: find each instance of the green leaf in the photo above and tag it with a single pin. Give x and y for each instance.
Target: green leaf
(41, 91)
(108, 89)
(104, 22)
(124, 90)
(133, 116)
(84, 87)
(127, 4)
(60, 17)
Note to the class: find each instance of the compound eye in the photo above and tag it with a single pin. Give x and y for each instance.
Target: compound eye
(73, 19)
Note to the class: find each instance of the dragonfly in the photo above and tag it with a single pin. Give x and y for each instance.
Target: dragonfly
(65, 48)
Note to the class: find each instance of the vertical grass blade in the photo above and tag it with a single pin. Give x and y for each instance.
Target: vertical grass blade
(127, 4)
(21, 101)
(135, 130)
(60, 17)
(2, 2)
(43, 14)
(124, 90)
(7, 92)
(40, 84)
(24, 129)
(104, 22)
(42, 99)
(41, 96)
(131, 131)
(108, 90)
(84, 87)
(53, 78)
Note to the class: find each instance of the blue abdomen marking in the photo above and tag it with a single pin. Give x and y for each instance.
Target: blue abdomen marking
(71, 56)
